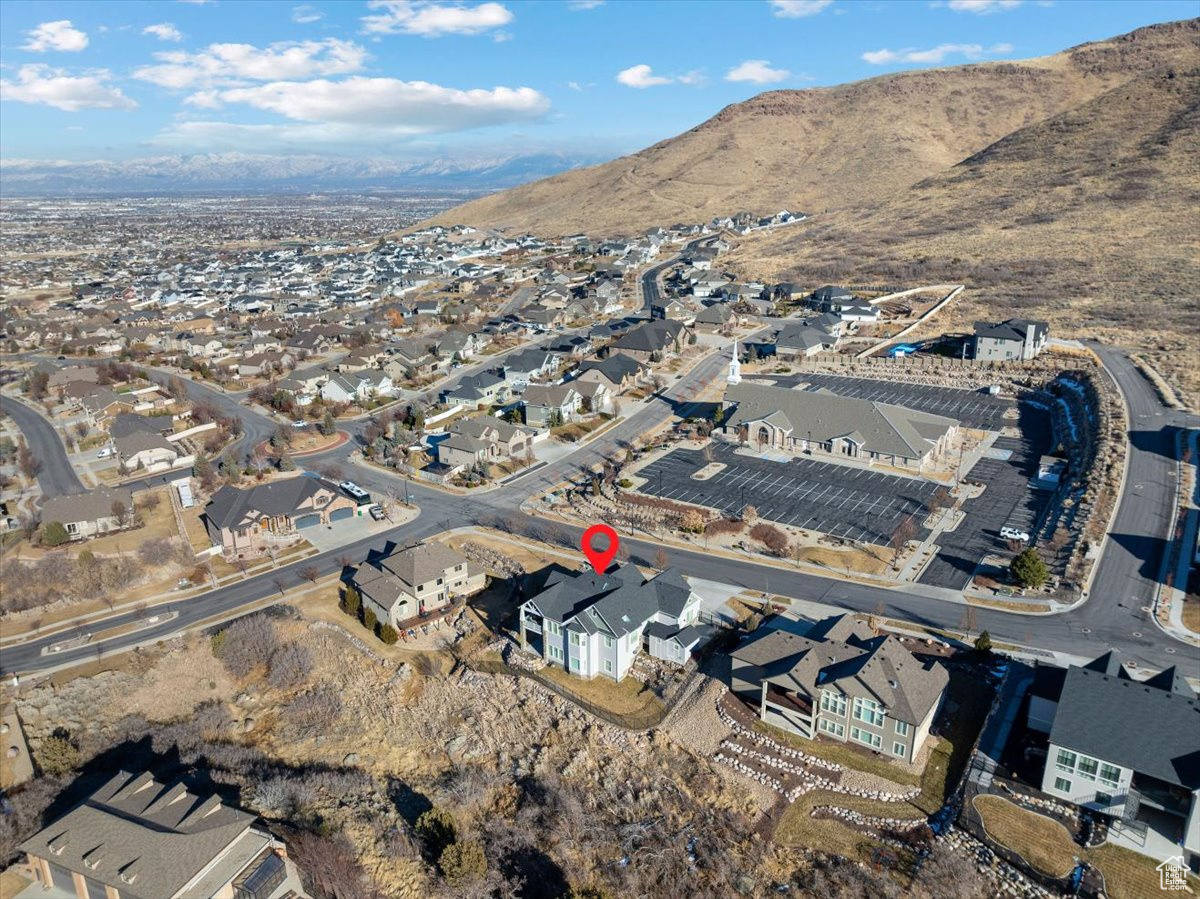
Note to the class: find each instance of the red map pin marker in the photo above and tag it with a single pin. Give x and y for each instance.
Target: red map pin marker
(599, 558)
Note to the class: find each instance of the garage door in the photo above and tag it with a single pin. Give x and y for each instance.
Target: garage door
(308, 521)
(339, 514)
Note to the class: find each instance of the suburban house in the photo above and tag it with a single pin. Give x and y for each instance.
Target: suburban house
(837, 679)
(248, 520)
(657, 338)
(801, 340)
(831, 299)
(415, 581)
(618, 371)
(356, 387)
(798, 421)
(551, 405)
(483, 389)
(145, 450)
(595, 624)
(1018, 339)
(90, 514)
(526, 366)
(484, 440)
(136, 837)
(1125, 748)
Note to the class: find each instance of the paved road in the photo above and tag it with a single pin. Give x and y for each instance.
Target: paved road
(56, 477)
(1111, 619)
(650, 291)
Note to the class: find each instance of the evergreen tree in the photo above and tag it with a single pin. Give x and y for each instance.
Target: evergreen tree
(1028, 569)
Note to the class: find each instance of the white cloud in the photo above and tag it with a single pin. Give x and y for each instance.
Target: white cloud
(582, 5)
(798, 9)
(642, 76)
(399, 107)
(41, 84)
(60, 35)
(757, 71)
(232, 63)
(982, 7)
(934, 55)
(429, 19)
(306, 15)
(164, 31)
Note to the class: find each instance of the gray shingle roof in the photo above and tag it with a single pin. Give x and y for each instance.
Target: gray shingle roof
(840, 649)
(884, 428)
(1134, 724)
(139, 836)
(229, 505)
(91, 506)
(617, 602)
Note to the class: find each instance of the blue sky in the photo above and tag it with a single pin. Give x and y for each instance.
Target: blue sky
(421, 80)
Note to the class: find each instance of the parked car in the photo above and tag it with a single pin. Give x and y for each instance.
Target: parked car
(377, 512)
(300, 423)
(104, 453)
(1009, 533)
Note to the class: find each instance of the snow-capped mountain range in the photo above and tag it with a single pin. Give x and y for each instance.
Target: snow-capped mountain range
(244, 171)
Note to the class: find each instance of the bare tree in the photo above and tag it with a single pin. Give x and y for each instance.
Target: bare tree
(969, 621)
(310, 573)
(660, 559)
(247, 643)
(905, 531)
(290, 665)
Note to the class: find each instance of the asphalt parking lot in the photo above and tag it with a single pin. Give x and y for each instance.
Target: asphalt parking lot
(839, 500)
(1008, 500)
(970, 407)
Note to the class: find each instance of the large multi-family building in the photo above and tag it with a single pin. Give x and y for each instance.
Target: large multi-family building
(839, 680)
(799, 421)
(136, 837)
(594, 625)
(414, 581)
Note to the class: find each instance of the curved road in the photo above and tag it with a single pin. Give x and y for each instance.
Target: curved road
(1112, 618)
(57, 477)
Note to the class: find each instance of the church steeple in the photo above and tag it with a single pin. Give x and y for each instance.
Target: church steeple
(735, 367)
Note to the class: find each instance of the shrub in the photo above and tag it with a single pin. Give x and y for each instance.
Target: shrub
(351, 602)
(291, 664)
(463, 863)
(1028, 569)
(983, 643)
(58, 755)
(158, 551)
(54, 534)
(722, 527)
(692, 522)
(369, 620)
(388, 634)
(312, 713)
(770, 537)
(437, 830)
(247, 643)
(624, 483)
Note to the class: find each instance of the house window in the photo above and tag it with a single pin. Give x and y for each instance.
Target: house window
(867, 710)
(866, 737)
(1110, 774)
(556, 653)
(1103, 798)
(902, 728)
(575, 664)
(1087, 768)
(834, 703)
(608, 665)
(1062, 785)
(553, 627)
(899, 749)
(1065, 760)
(439, 582)
(832, 727)
(608, 642)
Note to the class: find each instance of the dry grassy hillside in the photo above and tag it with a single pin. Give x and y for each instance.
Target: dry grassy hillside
(827, 148)
(1088, 219)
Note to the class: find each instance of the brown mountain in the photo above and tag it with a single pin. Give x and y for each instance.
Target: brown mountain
(829, 148)
(1088, 219)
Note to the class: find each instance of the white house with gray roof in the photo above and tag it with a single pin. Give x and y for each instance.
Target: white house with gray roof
(594, 625)
(1125, 748)
(800, 421)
